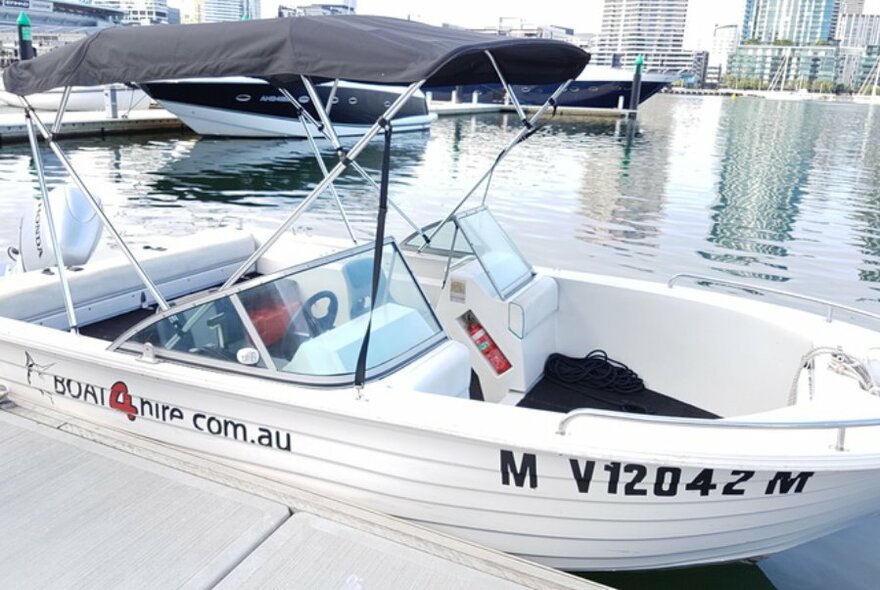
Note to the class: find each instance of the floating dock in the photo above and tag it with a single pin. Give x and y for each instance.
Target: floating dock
(443, 108)
(89, 507)
(91, 123)
(98, 124)
(586, 112)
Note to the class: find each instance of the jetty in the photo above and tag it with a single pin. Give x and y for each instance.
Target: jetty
(99, 124)
(87, 506)
(92, 124)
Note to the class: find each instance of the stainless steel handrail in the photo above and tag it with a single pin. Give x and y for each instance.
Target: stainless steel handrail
(840, 425)
(761, 289)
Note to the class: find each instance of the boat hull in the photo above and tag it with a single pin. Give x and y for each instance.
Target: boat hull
(593, 95)
(595, 88)
(252, 108)
(568, 504)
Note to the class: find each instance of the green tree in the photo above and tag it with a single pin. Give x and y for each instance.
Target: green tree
(783, 42)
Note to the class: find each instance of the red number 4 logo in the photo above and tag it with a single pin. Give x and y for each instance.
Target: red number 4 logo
(120, 400)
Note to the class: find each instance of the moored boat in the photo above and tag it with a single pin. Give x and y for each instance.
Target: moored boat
(597, 87)
(248, 107)
(750, 427)
(83, 98)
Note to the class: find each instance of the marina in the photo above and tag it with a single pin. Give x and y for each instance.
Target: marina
(192, 179)
(92, 123)
(389, 321)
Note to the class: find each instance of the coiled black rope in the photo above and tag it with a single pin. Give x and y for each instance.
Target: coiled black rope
(594, 370)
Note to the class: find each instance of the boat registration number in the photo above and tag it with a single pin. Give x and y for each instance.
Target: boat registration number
(635, 479)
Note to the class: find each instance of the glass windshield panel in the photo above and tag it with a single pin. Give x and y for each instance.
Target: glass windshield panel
(213, 331)
(441, 242)
(311, 321)
(505, 266)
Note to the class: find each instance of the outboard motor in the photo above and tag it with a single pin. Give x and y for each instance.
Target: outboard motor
(77, 228)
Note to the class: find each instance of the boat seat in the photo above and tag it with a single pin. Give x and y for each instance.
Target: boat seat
(107, 288)
(271, 307)
(358, 275)
(394, 330)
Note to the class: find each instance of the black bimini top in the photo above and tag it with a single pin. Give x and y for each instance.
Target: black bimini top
(371, 49)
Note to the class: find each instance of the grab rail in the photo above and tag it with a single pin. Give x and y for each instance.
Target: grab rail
(830, 304)
(840, 425)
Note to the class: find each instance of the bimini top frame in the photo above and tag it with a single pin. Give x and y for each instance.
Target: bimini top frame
(358, 48)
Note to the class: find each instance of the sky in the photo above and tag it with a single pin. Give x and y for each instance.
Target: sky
(584, 16)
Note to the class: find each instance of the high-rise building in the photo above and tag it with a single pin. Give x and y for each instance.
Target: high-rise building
(138, 12)
(852, 6)
(190, 10)
(341, 7)
(801, 22)
(250, 9)
(214, 11)
(786, 67)
(653, 28)
(725, 38)
(54, 23)
(859, 30)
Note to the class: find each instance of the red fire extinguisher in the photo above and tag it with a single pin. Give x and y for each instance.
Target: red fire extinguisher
(487, 346)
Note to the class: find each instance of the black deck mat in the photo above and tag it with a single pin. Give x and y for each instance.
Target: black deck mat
(555, 396)
(113, 328)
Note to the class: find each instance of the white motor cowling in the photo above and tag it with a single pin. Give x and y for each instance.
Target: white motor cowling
(77, 228)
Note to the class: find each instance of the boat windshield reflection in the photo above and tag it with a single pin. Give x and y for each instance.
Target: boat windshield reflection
(308, 321)
(476, 232)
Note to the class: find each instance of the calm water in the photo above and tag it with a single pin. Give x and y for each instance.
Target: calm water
(776, 193)
(771, 192)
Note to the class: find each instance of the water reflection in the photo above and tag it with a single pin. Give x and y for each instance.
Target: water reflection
(767, 190)
(254, 172)
(765, 162)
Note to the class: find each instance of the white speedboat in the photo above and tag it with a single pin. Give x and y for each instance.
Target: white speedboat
(84, 98)
(750, 429)
(248, 107)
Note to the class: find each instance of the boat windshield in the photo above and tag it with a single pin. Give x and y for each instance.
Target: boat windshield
(308, 321)
(476, 232)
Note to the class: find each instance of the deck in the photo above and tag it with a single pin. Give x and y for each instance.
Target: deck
(89, 507)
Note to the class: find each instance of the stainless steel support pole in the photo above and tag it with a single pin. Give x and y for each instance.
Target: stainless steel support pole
(323, 168)
(330, 134)
(513, 142)
(330, 98)
(47, 207)
(510, 92)
(353, 153)
(59, 153)
(328, 129)
(56, 127)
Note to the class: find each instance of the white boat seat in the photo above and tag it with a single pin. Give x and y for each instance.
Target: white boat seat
(107, 288)
(395, 329)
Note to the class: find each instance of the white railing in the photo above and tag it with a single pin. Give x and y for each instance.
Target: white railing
(840, 425)
(831, 305)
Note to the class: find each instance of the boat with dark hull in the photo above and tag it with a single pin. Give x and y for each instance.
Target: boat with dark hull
(249, 107)
(596, 88)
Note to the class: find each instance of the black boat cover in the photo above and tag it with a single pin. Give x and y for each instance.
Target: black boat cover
(359, 48)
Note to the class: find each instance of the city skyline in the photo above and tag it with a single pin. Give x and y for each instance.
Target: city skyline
(583, 17)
